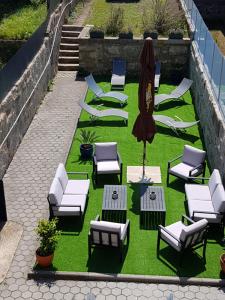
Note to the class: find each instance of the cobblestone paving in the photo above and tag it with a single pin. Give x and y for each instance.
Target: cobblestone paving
(27, 181)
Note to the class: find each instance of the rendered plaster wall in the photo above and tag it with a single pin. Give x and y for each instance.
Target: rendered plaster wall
(211, 119)
(96, 55)
(13, 102)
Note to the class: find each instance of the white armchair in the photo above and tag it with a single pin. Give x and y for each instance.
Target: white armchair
(109, 235)
(106, 160)
(192, 164)
(182, 237)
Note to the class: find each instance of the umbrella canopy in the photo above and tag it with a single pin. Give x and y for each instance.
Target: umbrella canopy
(144, 126)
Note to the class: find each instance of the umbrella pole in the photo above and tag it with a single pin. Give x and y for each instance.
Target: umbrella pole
(144, 157)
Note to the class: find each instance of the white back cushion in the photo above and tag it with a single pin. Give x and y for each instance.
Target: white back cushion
(62, 176)
(56, 192)
(193, 156)
(215, 179)
(106, 151)
(108, 227)
(218, 199)
(191, 230)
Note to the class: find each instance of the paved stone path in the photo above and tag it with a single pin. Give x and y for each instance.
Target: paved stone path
(27, 181)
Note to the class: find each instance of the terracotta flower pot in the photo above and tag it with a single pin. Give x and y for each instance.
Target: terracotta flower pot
(44, 261)
(222, 262)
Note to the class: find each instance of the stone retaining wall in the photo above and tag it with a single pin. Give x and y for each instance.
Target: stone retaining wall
(14, 101)
(211, 120)
(95, 55)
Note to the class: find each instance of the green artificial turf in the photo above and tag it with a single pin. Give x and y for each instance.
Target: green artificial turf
(72, 251)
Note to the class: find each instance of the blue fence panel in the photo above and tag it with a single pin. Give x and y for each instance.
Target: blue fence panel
(216, 71)
(222, 85)
(202, 40)
(208, 57)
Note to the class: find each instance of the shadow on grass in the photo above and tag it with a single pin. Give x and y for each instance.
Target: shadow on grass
(183, 135)
(169, 257)
(177, 184)
(70, 225)
(9, 7)
(105, 260)
(135, 199)
(109, 179)
(171, 104)
(98, 122)
(107, 103)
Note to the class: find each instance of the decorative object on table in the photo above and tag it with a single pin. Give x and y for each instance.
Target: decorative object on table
(222, 262)
(152, 196)
(114, 195)
(87, 138)
(48, 236)
(144, 126)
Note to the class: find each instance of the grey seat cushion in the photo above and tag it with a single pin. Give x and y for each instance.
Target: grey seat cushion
(106, 151)
(193, 156)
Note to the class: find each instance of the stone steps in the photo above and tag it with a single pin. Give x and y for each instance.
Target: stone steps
(69, 48)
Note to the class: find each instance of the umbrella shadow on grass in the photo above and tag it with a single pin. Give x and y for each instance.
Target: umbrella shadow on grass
(183, 135)
(135, 199)
(192, 263)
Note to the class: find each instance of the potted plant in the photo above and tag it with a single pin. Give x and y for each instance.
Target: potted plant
(96, 33)
(176, 34)
(48, 236)
(87, 138)
(126, 34)
(152, 34)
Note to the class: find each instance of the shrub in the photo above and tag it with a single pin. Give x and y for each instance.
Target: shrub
(37, 2)
(176, 34)
(115, 21)
(97, 33)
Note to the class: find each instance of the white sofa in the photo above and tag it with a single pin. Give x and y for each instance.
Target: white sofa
(68, 197)
(207, 201)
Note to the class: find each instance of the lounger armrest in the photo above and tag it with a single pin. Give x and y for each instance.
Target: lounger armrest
(161, 228)
(187, 218)
(195, 168)
(125, 230)
(172, 160)
(79, 173)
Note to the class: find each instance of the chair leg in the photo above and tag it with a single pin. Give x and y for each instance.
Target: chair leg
(121, 177)
(168, 177)
(181, 258)
(89, 248)
(158, 244)
(204, 250)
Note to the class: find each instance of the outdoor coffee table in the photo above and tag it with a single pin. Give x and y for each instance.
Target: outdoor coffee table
(153, 212)
(114, 210)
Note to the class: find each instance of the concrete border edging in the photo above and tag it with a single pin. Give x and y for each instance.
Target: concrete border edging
(91, 276)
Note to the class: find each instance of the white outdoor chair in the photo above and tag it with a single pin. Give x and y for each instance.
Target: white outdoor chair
(192, 164)
(72, 186)
(109, 235)
(106, 160)
(183, 237)
(118, 73)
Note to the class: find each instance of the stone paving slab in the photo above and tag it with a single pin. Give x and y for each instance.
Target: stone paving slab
(27, 182)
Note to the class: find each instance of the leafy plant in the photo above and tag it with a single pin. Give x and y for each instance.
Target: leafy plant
(115, 21)
(48, 236)
(37, 2)
(87, 137)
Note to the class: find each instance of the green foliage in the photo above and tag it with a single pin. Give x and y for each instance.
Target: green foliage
(87, 137)
(115, 22)
(22, 21)
(48, 236)
(37, 2)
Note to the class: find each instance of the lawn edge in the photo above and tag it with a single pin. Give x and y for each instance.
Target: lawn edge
(91, 276)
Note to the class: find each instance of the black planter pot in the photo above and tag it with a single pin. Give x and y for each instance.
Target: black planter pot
(126, 35)
(86, 151)
(176, 35)
(151, 34)
(96, 34)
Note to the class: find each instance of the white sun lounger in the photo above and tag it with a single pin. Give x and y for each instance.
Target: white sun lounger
(118, 73)
(92, 85)
(95, 113)
(182, 88)
(173, 124)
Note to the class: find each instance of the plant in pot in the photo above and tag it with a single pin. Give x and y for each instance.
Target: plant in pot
(176, 34)
(126, 34)
(87, 138)
(96, 33)
(150, 33)
(48, 236)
